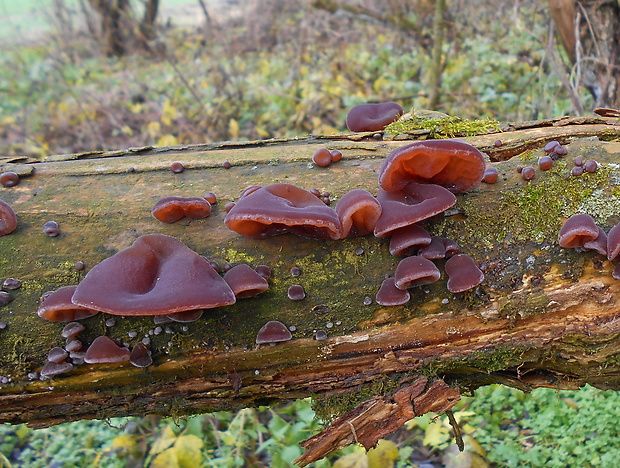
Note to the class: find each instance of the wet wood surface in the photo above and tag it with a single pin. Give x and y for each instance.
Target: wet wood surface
(544, 316)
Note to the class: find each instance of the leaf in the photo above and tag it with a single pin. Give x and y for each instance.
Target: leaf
(153, 129)
(168, 113)
(357, 459)
(383, 455)
(473, 456)
(124, 441)
(165, 440)
(233, 129)
(436, 435)
(188, 449)
(167, 140)
(166, 459)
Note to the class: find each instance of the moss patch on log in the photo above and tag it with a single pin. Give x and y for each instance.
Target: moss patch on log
(444, 127)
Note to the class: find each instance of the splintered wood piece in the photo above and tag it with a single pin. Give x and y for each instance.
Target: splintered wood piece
(379, 417)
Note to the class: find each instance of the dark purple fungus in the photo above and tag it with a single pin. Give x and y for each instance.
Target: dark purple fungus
(5, 298)
(51, 369)
(177, 167)
(320, 335)
(172, 209)
(185, 316)
(560, 150)
(9, 179)
(414, 271)
(463, 273)
(550, 147)
(245, 282)
(498, 143)
(407, 238)
(51, 229)
(490, 176)
(613, 242)
(453, 164)
(211, 197)
(322, 157)
(577, 230)
(599, 244)
(280, 208)
(229, 206)
(416, 202)
(11, 284)
(528, 173)
(373, 117)
(273, 332)
(358, 212)
(104, 350)
(79, 265)
(390, 295)
(57, 355)
(578, 161)
(157, 275)
(140, 356)
(545, 163)
(576, 171)
(435, 250)
(590, 165)
(450, 246)
(72, 329)
(295, 271)
(57, 307)
(296, 292)
(616, 273)
(8, 220)
(73, 344)
(226, 165)
(264, 271)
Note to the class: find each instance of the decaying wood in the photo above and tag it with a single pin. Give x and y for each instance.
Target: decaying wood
(544, 316)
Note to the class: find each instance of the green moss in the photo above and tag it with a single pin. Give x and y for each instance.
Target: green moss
(444, 127)
(488, 360)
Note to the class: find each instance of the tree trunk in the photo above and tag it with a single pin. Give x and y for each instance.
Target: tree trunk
(544, 316)
(436, 62)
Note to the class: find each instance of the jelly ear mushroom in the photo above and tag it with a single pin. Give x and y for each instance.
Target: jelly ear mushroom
(273, 332)
(599, 244)
(453, 164)
(577, 230)
(613, 242)
(463, 273)
(373, 117)
(57, 307)
(358, 212)
(390, 295)
(8, 220)
(415, 271)
(157, 275)
(416, 202)
(408, 237)
(245, 282)
(172, 209)
(104, 350)
(280, 208)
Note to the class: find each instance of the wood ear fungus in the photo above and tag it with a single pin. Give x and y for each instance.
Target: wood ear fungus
(273, 332)
(172, 209)
(358, 212)
(373, 117)
(463, 273)
(8, 220)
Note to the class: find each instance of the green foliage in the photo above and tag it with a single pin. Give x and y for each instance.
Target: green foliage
(444, 127)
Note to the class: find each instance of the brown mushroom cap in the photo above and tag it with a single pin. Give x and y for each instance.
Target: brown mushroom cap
(373, 117)
(613, 242)
(245, 282)
(279, 208)
(358, 212)
(407, 237)
(415, 271)
(172, 209)
(8, 220)
(57, 307)
(103, 350)
(453, 164)
(599, 244)
(157, 275)
(463, 273)
(416, 202)
(390, 295)
(273, 332)
(577, 230)
(140, 356)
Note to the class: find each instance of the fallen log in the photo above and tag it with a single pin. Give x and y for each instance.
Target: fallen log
(544, 316)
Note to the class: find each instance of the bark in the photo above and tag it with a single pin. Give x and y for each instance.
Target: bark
(544, 316)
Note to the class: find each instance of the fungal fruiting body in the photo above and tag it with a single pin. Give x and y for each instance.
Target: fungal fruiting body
(172, 209)
(57, 307)
(358, 212)
(157, 275)
(245, 282)
(8, 220)
(373, 117)
(104, 350)
(322, 157)
(414, 271)
(273, 332)
(463, 273)
(390, 295)
(9, 179)
(577, 230)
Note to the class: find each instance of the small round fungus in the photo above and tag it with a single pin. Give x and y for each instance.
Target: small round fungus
(576, 171)
(245, 282)
(79, 265)
(280, 208)
(336, 155)
(211, 197)
(590, 165)
(9, 179)
(72, 329)
(157, 275)
(73, 344)
(373, 117)
(613, 242)
(57, 355)
(185, 316)
(5, 298)
(226, 165)
(171, 209)
(104, 350)
(11, 284)
(8, 220)
(358, 212)
(264, 271)
(57, 307)
(599, 244)
(550, 147)
(453, 164)
(320, 335)
(463, 273)
(322, 157)
(177, 167)
(51, 229)
(390, 295)
(51, 369)
(296, 292)
(577, 230)
(545, 163)
(414, 271)
(491, 176)
(528, 173)
(295, 271)
(273, 332)
(435, 250)
(140, 356)
(578, 161)
(560, 150)
(406, 238)
(416, 202)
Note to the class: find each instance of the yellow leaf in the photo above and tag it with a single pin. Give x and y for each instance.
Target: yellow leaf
(383, 455)
(435, 435)
(124, 441)
(233, 129)
(165, 440)
(153, 129)
(168, 113)
(126, 130)
(357, 459)
(189, 451)
(136, 108)
(167, 140)
(166, 459)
